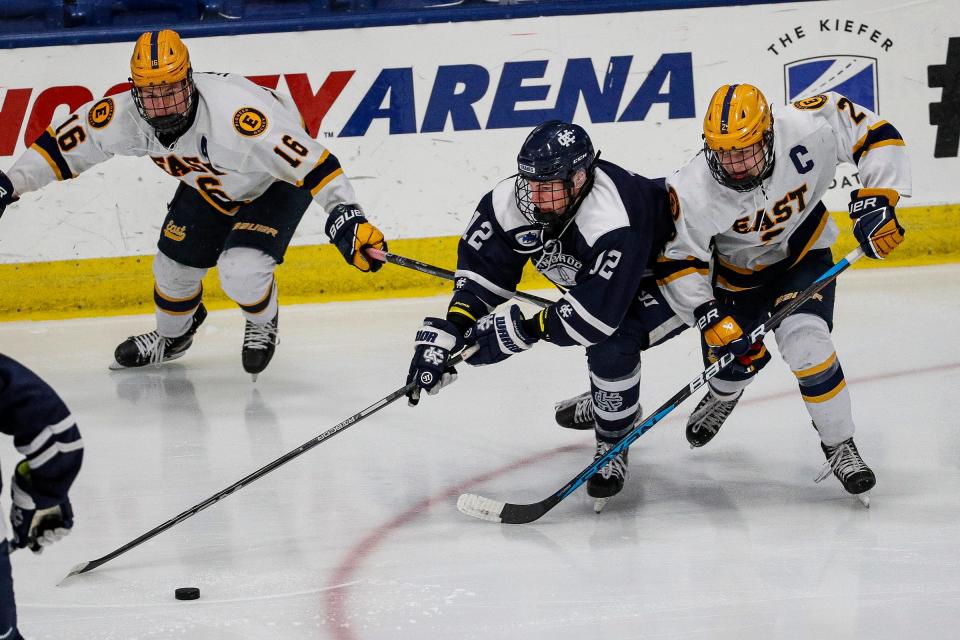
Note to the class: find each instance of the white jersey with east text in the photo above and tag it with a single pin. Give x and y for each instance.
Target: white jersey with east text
(243, 138)
(749, 235)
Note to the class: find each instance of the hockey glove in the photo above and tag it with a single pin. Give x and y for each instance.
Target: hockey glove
(349, 230)
(6, 192)
(35, 527)
(875, 224)
(434, 342)
(720, 329)
(498, 335)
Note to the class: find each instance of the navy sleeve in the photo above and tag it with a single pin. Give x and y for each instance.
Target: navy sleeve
(488, 267)
(43, 431)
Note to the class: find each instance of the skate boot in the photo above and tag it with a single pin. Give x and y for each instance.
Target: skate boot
(708, 417)
(577, 413)
(608, 481)
(259, 343)
(849, 468)
(152, 348)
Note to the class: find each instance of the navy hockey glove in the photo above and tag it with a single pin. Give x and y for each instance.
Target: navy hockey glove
(349, 230)
(6, 192)
(720, 329)
(498, 335)
(434, 342)
(35, 527)
(875, 224)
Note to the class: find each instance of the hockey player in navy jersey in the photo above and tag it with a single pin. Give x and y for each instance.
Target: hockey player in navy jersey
(248, 172)
(749, 203)
(46, 435)
(590, 227)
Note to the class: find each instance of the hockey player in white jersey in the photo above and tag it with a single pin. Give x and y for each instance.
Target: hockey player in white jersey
(749, 203)
(589, 226)
(248, 171)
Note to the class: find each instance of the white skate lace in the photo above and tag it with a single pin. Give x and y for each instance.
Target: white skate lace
(584, 410)
(151, 346)
(843, 462)
(259, 336)
(617, 466)
(712, 413)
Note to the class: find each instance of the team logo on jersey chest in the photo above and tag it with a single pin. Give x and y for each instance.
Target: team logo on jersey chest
(249, 122)
(101, 113)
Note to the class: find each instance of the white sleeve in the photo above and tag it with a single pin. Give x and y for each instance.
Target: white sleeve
(865, 140)
(92, 134)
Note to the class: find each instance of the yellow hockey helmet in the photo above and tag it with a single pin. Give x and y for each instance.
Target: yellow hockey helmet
(739, 117)
(160, 59)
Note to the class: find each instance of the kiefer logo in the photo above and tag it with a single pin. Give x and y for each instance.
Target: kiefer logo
(852, 76)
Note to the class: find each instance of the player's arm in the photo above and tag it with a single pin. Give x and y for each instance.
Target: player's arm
(92, 134)
(46, 434)
(683, 273)
(288, 153)
(879, 152)
(488, 271)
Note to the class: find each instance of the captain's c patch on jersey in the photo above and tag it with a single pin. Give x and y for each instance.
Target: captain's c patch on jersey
(249, 122)
(101, 113)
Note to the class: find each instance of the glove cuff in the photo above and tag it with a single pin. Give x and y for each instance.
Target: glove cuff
(439, 333)
(707, 314)
(868, 199)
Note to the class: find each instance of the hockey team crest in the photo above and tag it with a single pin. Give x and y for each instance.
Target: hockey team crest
(812, 103)
(528, 238)
(853, 76)
(249, 122)
(101, 113)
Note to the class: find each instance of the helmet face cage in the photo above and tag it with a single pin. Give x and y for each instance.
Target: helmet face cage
(172, 123)
(554, 152)
(761, 157)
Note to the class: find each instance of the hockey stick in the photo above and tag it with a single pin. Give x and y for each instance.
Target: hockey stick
(505, 512)
(90, 565)
(423, 267)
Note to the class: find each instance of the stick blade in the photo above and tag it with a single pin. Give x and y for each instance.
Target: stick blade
(77, 570)
(479, 507)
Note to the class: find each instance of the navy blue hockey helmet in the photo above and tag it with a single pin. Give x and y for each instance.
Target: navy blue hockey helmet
(550, 186)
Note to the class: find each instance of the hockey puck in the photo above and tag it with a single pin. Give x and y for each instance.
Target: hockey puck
(186, 593)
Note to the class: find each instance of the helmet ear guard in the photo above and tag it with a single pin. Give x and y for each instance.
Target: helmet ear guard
(555, 151)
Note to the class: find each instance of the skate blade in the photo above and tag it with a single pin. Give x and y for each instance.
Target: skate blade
(599, 504)
(864, 498)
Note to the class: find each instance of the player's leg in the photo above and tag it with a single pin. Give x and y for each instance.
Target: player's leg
(253, 249)
(192, 236)
(806, 344)
(725, 389)
(8, 607)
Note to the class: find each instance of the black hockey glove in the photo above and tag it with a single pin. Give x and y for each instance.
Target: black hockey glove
(6, 192)
(36, 527)
(498, 335)
(434, 342)
(720, 329)
(875, 224)
(349, 230)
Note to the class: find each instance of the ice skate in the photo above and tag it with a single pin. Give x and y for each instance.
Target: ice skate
(708, 417)
(846, 464)
(577, 413)
(152, 348)
(259, 343)
(608, 481)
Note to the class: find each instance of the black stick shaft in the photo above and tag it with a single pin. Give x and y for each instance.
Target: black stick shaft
(446, 274)
(259, 473)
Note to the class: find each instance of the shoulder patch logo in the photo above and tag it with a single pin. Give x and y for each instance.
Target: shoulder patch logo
(249, 122)
(674, 204)
(812, 103)
(101, 113)
(528, 238)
